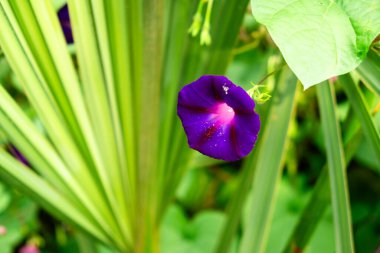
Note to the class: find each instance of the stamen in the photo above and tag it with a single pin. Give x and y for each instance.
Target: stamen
(224, 113)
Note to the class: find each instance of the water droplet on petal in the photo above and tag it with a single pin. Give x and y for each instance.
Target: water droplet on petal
(225, 88)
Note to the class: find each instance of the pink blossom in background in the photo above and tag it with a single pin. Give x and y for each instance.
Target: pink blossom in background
(29, 248)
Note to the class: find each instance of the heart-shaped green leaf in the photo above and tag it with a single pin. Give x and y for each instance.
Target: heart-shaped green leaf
(191, 236)
(320, 39)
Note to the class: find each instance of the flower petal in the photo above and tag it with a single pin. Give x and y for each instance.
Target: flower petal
(64, 19)
(239, 100)
(220, 145)
(200, 94)
(218, 118)
(247, 127)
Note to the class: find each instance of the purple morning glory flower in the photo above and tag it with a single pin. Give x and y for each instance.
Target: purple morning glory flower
(218, 118)
(64, 19)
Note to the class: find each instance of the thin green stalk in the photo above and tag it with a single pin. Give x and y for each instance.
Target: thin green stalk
(25, 65)
(234, 211)
(337, 169)
(369, 74)
(65, 71)
(363, 113)
(98, 9)
(56, 45)
(269, 165)
(135, 31)
(68, 78)
(24, 23)
(320, 198)
(26, 137)
(318, 203)
(121, 62)
(147, 240)
(134, 13)
(20, 62)
(174, 54)
(223, 27)
(312, 214)
(102, 33)
(73, 154)
(16, 174)
(28, 69)
(95, 93)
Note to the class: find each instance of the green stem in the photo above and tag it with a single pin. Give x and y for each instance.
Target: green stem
(337, 169)
(362, 111)
(269, 166)
(318, 203)
(147, 237)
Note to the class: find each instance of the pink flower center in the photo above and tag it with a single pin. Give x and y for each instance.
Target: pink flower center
(224, 112)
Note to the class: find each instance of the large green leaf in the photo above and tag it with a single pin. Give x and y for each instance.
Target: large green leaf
(320, 39)
(365, 19)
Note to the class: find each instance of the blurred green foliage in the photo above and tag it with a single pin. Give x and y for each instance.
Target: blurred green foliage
(18, 215)
(198, 234)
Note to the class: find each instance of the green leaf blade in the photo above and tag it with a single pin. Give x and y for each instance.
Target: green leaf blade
(14, 173)
(363, 113)
(337, 169)
(320, 199)
(268, 163)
